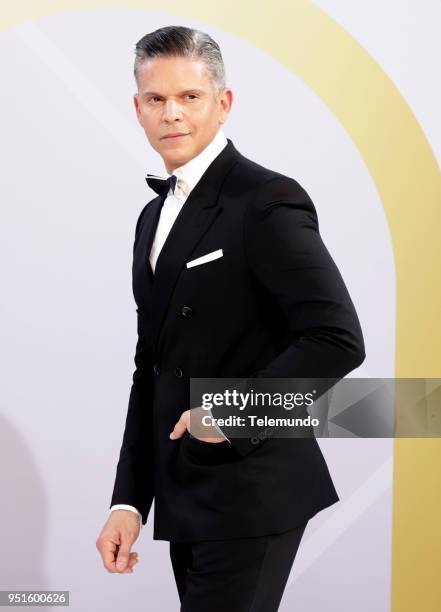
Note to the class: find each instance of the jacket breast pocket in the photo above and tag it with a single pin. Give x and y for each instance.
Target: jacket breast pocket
(205, 260)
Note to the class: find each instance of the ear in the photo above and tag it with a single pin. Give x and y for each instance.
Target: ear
(137, 108)
(226, 100)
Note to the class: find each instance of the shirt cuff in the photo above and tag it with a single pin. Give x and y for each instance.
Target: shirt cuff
(128, 507)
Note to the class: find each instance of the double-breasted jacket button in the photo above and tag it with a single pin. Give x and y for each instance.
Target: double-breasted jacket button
(157, 369)
(178, 373)
(186, 311)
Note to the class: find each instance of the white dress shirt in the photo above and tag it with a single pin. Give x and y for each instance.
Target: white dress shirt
(188, 175)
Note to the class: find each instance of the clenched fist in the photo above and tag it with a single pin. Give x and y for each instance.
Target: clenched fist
(116, 539)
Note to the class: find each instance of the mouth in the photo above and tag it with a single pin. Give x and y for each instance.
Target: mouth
(174, 136)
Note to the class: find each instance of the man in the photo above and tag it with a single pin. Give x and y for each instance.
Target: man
(231, 279)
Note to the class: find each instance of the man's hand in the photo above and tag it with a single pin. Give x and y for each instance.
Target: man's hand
(205, 433)
(115, 540)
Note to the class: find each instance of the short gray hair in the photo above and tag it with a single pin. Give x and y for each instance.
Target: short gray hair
(184, 42)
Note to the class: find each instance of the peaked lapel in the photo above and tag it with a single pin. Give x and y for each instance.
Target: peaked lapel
(194, 219)
(142, 273)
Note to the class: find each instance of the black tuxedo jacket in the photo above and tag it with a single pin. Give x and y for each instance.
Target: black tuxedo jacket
(274, 305)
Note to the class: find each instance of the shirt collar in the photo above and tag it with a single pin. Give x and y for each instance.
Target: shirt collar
(190, 173)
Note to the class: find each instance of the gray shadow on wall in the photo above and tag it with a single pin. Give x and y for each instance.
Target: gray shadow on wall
(23, 515)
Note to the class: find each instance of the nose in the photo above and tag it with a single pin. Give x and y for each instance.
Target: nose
(172, 111)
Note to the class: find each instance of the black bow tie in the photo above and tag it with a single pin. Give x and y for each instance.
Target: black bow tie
(161, 185)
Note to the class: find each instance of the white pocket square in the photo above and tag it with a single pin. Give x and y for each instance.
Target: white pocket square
(205, 258)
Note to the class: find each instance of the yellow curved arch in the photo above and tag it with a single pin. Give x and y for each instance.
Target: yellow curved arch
(382, 126)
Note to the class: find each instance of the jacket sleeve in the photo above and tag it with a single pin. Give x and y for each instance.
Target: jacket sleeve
(289, 261)
(134, 473)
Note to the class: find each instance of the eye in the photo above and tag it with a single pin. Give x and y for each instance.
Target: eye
(193, 96)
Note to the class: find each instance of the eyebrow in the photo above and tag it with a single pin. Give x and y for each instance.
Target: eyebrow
(181, 93)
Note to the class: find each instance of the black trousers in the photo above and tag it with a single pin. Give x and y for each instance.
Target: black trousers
(244, 575)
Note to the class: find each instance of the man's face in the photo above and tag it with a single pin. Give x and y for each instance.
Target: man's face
(176, 96)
